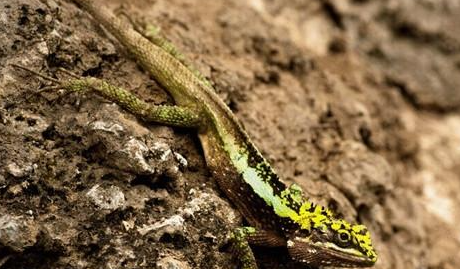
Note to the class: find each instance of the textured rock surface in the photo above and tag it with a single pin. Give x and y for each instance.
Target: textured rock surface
(356, 101)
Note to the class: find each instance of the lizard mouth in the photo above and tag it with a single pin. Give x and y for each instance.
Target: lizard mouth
(326, 254)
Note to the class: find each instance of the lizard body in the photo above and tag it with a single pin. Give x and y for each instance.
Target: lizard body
(278, 215)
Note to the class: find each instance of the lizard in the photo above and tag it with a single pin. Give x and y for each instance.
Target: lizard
(278, 216)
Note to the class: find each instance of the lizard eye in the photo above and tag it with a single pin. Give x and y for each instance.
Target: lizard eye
(343, 238)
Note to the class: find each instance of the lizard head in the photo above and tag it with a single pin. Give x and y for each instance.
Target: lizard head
(320, 239)
(333, 243)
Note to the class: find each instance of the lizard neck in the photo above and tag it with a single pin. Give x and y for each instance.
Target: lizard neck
(242, 169)
(245, 176)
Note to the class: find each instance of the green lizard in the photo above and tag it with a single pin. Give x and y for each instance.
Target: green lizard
(279, 216)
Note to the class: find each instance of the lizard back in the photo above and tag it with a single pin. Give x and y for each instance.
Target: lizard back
(233, 159)
(240, 170)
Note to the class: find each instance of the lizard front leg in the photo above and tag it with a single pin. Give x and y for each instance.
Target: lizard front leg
(243, 237)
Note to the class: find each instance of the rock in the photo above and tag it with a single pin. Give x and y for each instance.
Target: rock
(17, 232)
(110, 198)
(171, 263)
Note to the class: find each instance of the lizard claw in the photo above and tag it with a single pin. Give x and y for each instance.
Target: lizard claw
(37, 73)
(57, 84)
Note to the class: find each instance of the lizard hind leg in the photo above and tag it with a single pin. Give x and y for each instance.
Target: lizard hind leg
(162, 114)
(56, 83)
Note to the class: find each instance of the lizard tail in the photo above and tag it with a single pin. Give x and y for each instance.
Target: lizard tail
(118, 28)
(168, 71)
